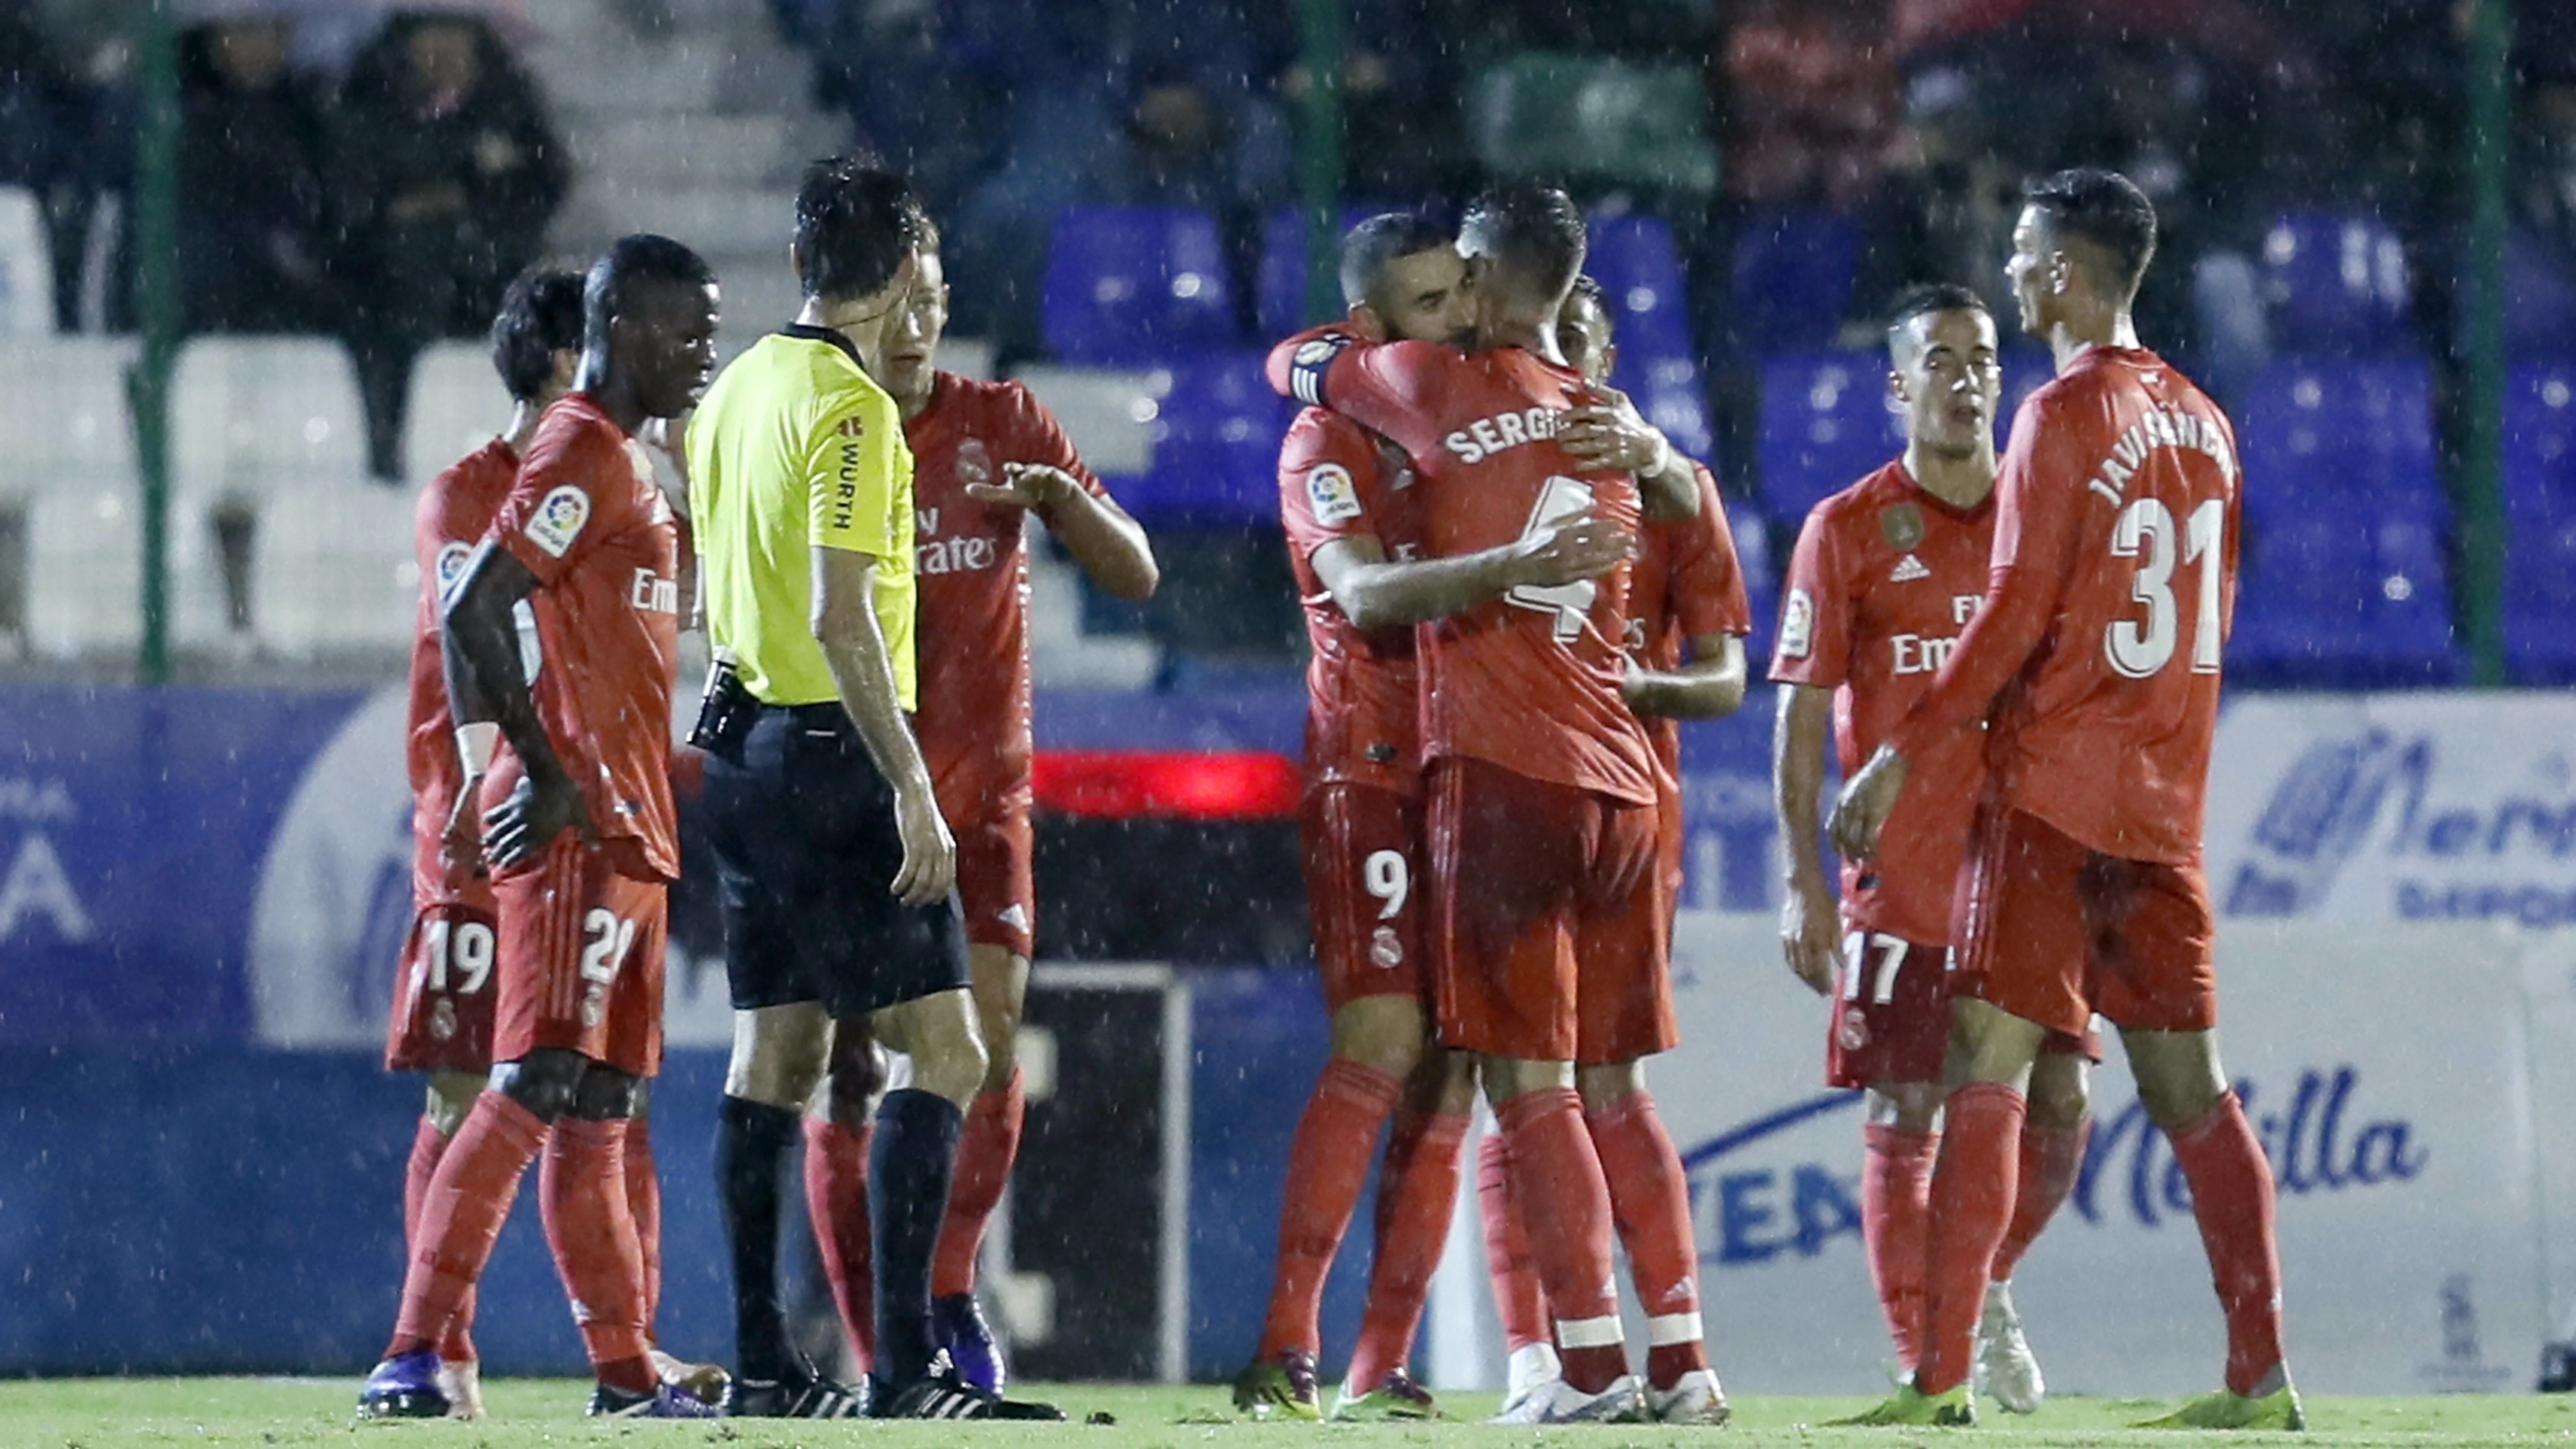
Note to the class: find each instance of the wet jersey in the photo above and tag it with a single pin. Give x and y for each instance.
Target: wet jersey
(1688, 585)
(1363, 700)
(451, 517)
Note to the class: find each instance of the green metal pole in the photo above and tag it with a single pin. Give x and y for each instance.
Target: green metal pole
(1319, 153)
(2481, 482)
(156, 306)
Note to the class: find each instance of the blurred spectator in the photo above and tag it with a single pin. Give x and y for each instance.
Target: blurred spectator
(2544, 174)
(447, 173)
(1813, 101)
(52, 121)
(1401, 139)
(253, 233)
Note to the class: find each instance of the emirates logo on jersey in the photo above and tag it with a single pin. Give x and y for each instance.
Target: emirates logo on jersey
(974, 463)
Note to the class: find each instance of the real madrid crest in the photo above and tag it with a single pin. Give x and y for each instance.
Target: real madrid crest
(1902, 524)
(974, 463)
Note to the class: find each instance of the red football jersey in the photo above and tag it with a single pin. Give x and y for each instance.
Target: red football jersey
(453, 513)
(1363, 701)
(589, 522)
(1530, 681)
(1688, 585)
(972, 567)
(1884, 579)
(2109, 596)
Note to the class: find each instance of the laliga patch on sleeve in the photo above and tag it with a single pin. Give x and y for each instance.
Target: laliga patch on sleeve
(452, 556)
(558, 520)
(1797, 625)
(1330, 492)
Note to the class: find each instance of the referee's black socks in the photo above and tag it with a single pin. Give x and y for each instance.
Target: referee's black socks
(752, 1142)
(910, 1163)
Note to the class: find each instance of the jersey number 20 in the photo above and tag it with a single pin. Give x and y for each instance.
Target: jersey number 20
(2145, 531)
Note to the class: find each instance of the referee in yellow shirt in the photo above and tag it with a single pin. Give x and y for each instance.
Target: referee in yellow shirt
(836, 872)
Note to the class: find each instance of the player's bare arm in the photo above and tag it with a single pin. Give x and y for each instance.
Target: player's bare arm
(1609, 430)
(845, 624)
(480, 643)
(1808, 925)
(1109, 544)
(1378, 592)
(1709, 686)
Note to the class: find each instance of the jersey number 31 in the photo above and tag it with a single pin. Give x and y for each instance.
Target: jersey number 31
(2145, 531)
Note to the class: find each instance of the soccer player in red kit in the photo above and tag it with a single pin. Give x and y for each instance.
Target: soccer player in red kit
(2096, 658)
(1685, 639)
(986, 456)
(1541, 782)
(1886, 574)
(584, 841)
(1346, 501)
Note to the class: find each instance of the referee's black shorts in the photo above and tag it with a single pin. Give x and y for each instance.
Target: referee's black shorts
(806, 851)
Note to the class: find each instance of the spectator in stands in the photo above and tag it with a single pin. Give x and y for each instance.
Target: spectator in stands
(1813, 101)
(253, 231)
(2544, 169)
(448, 173)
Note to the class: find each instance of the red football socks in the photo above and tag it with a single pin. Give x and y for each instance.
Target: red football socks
(2050, 1158)
(1650, 1203)
(2231, 1195)
(1556, 1177)
(1328, 1162)
(1417, 1189)
(644, 1201)
(836, 1198)
(991, 1142)
(461, 1213)
(1895, 1208)
(1973, 1185)
(428, 1144)
(1517, 1298)
(591, 1229)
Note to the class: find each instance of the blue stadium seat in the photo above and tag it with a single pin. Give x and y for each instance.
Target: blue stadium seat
(1761, 582)
(1634, 260)
(2336, 284)
(2356, 437)
(2540, 508)
(2334, 599)
(1792, 281)
(1133, 284)
(2539, 299)
(1279, 288)
(1215, 446)
(1825, 426)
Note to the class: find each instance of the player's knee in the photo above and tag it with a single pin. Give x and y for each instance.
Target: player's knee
(543, 1082)
(947, 1049)
(1603, 1086)
(778, 1054)
(450, 1096)
(1506, 1078)
(605, 1094)
(2058, 1096)
(1447, 1079)
(1905, 1106)
(1384, 1033)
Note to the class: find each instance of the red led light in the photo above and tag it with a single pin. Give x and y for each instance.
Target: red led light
(1186, 785)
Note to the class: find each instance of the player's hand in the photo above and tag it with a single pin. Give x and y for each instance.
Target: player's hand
(929, 851)
(1609, 432)
(1584, 546)
(1026, 485)
(1807, 936)
(460, 842)
(536, 812)
(1868, 798)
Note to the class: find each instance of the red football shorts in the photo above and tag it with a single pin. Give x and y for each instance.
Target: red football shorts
(1529, 877)
(1362, 851)
(996, 883)
(443, 992)
(581, 958)
(1623, 966)
(2054, 931)
(1891, 1017)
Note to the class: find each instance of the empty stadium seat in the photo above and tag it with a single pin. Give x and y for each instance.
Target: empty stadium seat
(256, 414)
(1216, 439)
(1792, 280)
(2352, 435)
(1133, 284)
(336, 573)
(2540, 509)
(457, 404)
(84, 568)
(26, 266)
(2333, 599)
(62, 410)
(2336, 283)
(1634, 260)
(1825, 426)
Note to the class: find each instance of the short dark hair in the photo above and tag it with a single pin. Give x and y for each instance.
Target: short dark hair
(1926, 298)
(1534, 231)
(855, 224)
(1588, 288)
(2104, 208)
(540, 316)
(1381, 239)
(630, 263)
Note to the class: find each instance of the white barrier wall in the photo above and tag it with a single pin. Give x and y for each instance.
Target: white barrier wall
(2386, 1067)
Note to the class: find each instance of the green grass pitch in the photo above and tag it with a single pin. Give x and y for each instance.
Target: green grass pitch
(287, 1413)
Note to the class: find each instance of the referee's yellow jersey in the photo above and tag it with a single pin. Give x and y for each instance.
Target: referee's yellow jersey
(794, 446)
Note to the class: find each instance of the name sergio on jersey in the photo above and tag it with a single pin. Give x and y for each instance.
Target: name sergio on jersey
(937, 555)
(1925, 653)
(2158, 428)
(1485, 437)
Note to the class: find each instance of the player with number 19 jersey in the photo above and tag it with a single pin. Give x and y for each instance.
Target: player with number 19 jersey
(2111, 587)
